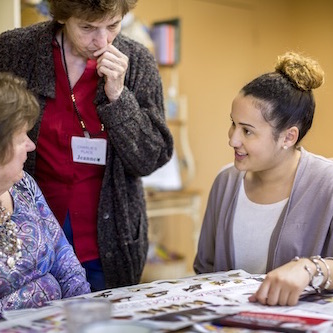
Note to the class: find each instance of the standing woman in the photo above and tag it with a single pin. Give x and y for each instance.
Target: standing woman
(37, 264)
(275, 203)
(101, 128)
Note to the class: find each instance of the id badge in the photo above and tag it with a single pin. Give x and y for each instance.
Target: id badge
(86, 150)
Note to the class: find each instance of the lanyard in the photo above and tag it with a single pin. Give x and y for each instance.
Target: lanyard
(86, 133)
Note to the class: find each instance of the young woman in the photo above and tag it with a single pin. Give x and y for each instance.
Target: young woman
(275, 202)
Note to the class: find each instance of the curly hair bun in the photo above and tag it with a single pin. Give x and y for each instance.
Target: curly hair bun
(304, 72)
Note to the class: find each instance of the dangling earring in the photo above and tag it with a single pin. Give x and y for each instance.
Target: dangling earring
(285, 147)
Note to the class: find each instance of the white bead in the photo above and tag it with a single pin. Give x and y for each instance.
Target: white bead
(11, 262)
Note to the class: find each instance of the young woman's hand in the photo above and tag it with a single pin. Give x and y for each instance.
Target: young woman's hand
(284, 285)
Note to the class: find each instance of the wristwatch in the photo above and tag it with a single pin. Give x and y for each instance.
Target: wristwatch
(318, 277)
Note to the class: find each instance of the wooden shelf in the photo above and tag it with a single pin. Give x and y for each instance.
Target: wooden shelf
(168, 203)
(176, 122)
(179, 203)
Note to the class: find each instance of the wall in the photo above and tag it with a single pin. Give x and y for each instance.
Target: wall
(225, 43)
(304, 26)
(314, 35)
(10, 16)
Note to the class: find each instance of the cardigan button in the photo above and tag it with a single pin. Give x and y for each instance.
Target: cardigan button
(106, 216)
(108, 255)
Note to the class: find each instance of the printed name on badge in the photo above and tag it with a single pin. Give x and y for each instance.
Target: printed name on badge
(90, 151)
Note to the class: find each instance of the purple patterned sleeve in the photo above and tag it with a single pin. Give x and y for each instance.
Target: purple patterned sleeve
(68, 270)
(66, 267)
(48, 269)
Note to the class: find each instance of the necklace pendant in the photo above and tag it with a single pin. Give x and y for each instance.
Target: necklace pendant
(10, 245)
(10, 262)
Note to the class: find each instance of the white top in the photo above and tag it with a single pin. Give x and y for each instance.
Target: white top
(252, 230)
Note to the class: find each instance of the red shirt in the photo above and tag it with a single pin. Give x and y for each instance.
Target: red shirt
(67, 185)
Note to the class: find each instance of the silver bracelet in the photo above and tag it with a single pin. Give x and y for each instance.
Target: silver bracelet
(318, 278)
(328, 281)
(306, 267)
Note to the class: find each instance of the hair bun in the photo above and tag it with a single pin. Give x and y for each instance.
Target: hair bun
(305, 72)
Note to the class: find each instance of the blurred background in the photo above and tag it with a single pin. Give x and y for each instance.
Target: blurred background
(222, 44)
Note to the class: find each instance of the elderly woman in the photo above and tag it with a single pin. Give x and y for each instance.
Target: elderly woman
(101, 127)
(37, 264)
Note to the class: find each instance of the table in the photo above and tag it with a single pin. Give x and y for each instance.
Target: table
(175, 305)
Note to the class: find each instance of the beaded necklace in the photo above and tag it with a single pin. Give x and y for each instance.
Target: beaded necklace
(10, 245)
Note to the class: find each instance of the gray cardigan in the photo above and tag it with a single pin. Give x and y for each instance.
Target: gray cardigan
(304, 228)
(139, 141)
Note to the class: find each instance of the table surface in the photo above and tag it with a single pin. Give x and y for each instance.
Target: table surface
(179, 305)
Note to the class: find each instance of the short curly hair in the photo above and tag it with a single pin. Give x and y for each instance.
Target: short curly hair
(89, 10)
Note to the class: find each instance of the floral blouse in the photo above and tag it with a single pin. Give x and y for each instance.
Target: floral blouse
(48, 269)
